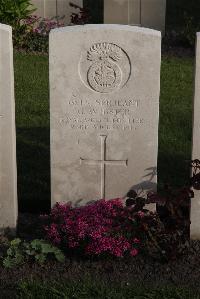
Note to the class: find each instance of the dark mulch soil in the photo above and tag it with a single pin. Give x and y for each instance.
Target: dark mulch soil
(181, 52)
(185, 271)
(176, 46)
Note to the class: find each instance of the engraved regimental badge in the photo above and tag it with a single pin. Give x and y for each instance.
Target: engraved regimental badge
(107, 67)
(104, 75)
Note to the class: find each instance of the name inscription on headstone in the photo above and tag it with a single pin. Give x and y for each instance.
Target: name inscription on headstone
(101, 114)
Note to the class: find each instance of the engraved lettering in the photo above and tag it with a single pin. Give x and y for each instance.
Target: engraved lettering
(102, 114)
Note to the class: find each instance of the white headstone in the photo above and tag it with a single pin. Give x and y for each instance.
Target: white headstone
(53, 8)
(8, 174)
(147, 13)
(104, 106)
(195, 202)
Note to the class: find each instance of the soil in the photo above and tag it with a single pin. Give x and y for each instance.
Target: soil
(185, 271)
(178, 51)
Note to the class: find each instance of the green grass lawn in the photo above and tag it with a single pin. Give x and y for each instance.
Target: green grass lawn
(67, 290)
(175, 129)
(32, 117)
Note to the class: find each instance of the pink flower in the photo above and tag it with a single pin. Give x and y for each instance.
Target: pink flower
(134, 252)
(136, 240)
(99, 228)
(53, 234)
(141, 214)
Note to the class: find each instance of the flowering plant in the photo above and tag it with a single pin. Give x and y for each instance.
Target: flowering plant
(35, 35)
(43, 26)
(98, 228)
(112, 227)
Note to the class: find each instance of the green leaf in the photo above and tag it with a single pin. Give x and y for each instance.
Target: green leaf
(41, 258)
(8, 263)
(47, 248)
(59, 256)
(36, 244)
(15, 242)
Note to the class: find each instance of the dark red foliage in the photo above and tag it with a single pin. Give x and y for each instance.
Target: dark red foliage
(172, 232)
(195, 179)
(81, 17)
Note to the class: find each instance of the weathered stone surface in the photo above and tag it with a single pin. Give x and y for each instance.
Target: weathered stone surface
(153, 14)
(53, 8)
(8, 174)
(104, 106)
(195, 202)
(147, 13)
(116, 12)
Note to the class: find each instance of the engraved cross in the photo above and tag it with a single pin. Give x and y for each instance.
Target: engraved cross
(103, 162)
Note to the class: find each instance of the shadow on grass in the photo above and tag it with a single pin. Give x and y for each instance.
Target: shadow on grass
(173, 169)
(33, 156)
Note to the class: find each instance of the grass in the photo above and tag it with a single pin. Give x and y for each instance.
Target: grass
(32, 121)
(175, 129)
(67, 290)
(32, 117)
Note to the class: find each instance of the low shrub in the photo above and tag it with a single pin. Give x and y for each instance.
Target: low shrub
(13, 13)
(39, 251)
(30, 32)
(102, 227)
(110, 227)
(37, 37)
(121, 228)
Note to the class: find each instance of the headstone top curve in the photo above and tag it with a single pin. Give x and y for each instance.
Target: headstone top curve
(118, 27)
(5, 27)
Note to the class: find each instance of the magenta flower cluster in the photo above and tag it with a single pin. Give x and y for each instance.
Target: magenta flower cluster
(104, 227)
(42, 26)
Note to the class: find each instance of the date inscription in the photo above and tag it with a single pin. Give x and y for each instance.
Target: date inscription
(102, 114)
